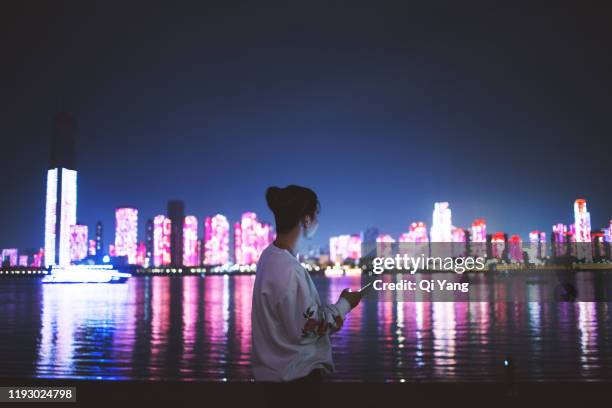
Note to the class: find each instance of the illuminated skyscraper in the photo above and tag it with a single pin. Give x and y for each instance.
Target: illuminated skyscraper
(559, 239)
(441, 227)
(441, 230)
(38, 258)
(78, 242)
(608, 233)
(191, 256)
(344, 247)
(61, 197)
(250, 238)
(162, 229)
(216, 240)
(92, 247)
(141, 255)
(23, 260)
(384, 245)
(11, 256)
(582, 230)
(515, 248)
(459, 244)
(537, 245)
(126, 233)
(176, 214)
(478, 245)
(582, 221)
(498, 245)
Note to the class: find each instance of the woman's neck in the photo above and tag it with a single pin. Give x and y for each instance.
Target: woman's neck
(287, 241)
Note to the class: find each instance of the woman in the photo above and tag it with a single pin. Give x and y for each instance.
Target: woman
(290, 324)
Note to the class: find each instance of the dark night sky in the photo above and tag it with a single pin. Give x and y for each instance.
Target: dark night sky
(382, 109)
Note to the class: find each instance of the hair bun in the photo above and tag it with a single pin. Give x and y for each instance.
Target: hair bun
(274, 197)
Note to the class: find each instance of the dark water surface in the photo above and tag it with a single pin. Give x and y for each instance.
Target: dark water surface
(195, 328)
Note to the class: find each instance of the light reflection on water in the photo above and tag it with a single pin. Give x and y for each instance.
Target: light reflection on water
(196, 328)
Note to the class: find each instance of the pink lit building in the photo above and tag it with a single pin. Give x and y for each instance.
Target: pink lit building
(441, 227)
(582, 221)
(141, 254)
(384, 245)
(126, 233)
(23, 260)
(162, 228)
(12, 254)
(78, 242)
(216, 240)
(415, 242)
(344, 247)
(582, 234)
(559, 239)
(38, 259)
(478, 245)
(515, 248)
(251, 238)
(498, 244)
(191, 256)
(92, 247)
(459, 244)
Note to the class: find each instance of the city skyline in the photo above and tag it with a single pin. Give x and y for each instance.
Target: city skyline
(400, 109)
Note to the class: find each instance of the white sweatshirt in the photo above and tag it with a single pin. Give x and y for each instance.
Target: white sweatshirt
(290, 326)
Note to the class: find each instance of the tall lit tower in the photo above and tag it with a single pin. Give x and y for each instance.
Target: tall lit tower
(582, 221)
(478, 246)
(126, 233)
(162, 227)
(61, 198)
(191, 255)
(442, 226)
(216, 240)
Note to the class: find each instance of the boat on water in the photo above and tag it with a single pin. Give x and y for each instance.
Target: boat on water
(85, 274)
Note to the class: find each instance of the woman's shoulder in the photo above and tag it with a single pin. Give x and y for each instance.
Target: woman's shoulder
(277, 267)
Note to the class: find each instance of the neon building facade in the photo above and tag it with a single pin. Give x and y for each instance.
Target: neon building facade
(216, 240)
(162, 229)
(498, 244)
(10, 254)
(78, 242)
(459, 242)
(60, 215)
(537, 245)
(191, 256)
(559, 239)
(441, 227)
(23, 260)
(582, 221)
(250, 238)
(384, 245)
(416, 241)
(515, 248)
(92, 247)
(354, 247)
(344, 247)
(141, 255)
(478, 245)
(38, 258)
(126, 233)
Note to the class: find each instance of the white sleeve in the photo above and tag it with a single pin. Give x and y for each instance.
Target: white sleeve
(303, 320)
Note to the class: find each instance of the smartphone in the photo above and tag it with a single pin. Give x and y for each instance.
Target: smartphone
(365, 288)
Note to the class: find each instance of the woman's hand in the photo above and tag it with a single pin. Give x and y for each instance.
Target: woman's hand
(352, 297)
